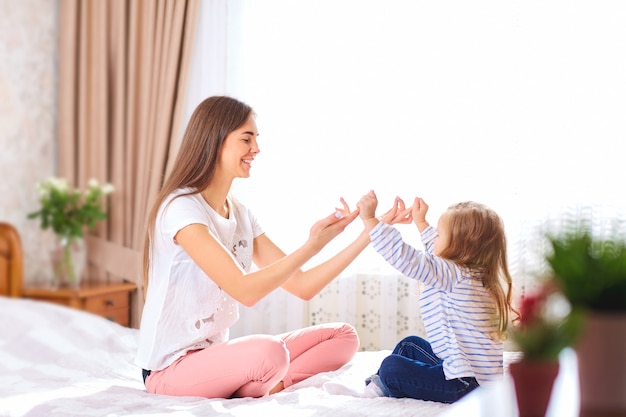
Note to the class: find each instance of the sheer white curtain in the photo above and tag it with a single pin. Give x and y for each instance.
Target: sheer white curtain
(516, 104)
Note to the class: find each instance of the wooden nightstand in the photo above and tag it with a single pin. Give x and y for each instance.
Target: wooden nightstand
(109, 300)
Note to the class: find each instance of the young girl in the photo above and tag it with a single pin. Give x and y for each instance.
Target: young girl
(199, 249)
(463, 304)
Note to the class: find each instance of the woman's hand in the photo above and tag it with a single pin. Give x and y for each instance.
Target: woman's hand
(306, 284)
(398, 213)
(329, 227)
(343, 211)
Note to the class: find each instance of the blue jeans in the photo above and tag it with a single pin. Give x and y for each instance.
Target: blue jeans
(413, 370)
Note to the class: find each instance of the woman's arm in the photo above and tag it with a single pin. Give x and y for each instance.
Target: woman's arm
(306, 284)
(248, 288)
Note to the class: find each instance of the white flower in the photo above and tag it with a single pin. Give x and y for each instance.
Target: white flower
(59, 184)
(42, 189)
(557, 308)
(93, 183)
(107, 188)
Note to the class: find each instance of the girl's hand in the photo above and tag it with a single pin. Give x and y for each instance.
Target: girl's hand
(398, 213)
(367, 204)
(419, 210)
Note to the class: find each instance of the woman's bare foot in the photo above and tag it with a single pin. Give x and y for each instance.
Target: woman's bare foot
(279, 387)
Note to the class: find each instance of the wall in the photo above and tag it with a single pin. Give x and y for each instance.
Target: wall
(28, 92)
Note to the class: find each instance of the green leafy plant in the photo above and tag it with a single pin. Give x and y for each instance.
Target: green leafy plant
(546, 325)
(68, 211)
(590, 272)
(590, 269)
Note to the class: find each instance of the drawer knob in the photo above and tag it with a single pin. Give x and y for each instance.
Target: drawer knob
(109, 302)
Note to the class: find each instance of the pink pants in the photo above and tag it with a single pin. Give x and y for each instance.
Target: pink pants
(251, 366)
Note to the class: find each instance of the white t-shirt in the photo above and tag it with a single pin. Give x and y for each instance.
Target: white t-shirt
(184, 309)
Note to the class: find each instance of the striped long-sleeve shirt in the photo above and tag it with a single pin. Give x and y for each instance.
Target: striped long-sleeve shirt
(457, 311)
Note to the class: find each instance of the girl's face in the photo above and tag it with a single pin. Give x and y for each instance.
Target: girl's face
(239, 150)
(443, 240)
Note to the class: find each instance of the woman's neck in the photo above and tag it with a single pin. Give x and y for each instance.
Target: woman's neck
(215, 196)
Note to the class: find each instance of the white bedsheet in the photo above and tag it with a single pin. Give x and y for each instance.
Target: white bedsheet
(60, 362)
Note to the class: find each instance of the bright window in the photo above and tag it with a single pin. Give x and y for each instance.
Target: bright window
(516, 104)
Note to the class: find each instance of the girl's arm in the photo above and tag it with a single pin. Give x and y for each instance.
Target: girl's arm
(388, 242)
(414, 263)
(248, 288)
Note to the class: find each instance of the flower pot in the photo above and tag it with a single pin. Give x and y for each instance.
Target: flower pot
(602, 365)
(69, 258)
(533, 381)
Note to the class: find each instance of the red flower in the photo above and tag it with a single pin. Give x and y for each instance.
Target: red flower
(532, 308)
(544, 327)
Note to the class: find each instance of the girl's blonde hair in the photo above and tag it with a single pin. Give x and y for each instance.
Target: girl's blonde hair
(214, 119)
(477, 242)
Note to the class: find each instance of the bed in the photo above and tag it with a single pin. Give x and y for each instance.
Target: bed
(60, 362)
(55, 361)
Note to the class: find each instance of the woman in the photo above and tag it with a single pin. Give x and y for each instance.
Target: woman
(199, 250)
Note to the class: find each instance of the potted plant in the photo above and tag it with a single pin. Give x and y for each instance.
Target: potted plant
(591, 272)
(546, 325)
(68, 211)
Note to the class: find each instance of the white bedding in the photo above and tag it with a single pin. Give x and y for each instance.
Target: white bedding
(60, 362)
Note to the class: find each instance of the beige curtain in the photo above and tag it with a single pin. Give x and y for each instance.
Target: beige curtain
(123, 68)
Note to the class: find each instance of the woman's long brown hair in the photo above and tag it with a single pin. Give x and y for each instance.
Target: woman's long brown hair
(195, 164)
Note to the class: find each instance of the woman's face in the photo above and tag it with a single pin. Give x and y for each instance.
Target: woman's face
(239, 150)
(443, 240)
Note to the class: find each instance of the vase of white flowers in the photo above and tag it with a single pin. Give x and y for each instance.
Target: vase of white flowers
(69, 259)
(68, 212)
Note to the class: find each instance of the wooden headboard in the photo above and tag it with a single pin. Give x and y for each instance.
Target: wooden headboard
(11, 261)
